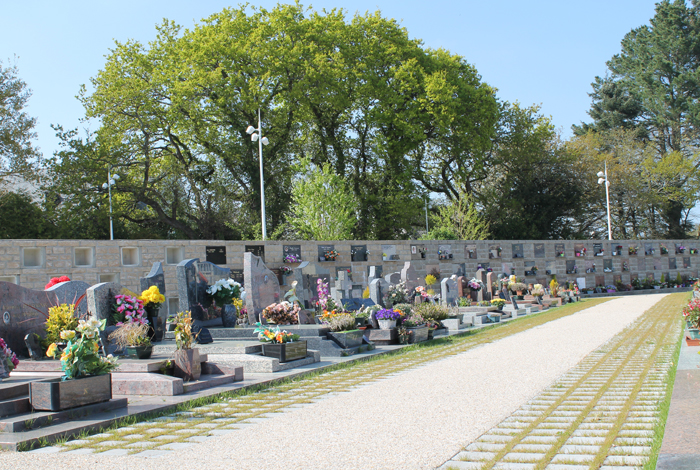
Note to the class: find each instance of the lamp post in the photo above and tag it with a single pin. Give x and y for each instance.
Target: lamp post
(256, 136)
(108, 186)
(603, 178)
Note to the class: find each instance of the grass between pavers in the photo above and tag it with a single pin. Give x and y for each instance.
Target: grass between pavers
(262, 400)
(632, 380)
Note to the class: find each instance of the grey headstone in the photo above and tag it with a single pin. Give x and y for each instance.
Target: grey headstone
(393, 278)
(156, 277)
(344, 284)
(261, 286)
(374, 273)
(36, 351)
(100, 299)
(490, 278)
(376, 291)
(505, 294)
(310, 273)
(514, 303)
(449, 291)
(351, 304)
(298, 277)
(193, 278)
(411, 276)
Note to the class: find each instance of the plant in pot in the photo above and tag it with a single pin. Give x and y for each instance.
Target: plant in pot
(152, 300)
(186, 358)
(417, 327)
(8, 360)
(517, 288)
(498, 303)
(225, 295)
(83, 369)
(397, 294)
(691, 315)
(134, 338)
(344, 330)
(537, 290)
(433, 313)
(61, 317)
(387, 318)
(283, 313)
(279, 344)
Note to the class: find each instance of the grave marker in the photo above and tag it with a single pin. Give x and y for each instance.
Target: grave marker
(193, 279)
(448, 288)
(156, 277)
(376, 291)
(261, 286)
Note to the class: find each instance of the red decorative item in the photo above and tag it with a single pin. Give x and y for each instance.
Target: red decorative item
(692, 342)
(56, 280)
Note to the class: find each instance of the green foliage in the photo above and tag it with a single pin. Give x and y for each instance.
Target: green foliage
(431, 311)
(61, 317)
(323, 207)
(458, 219)
(20, 217)
(17, 156)
(81, 357)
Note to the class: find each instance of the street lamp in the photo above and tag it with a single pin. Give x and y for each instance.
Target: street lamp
(111, 179)
(256, 136)
(603, 178)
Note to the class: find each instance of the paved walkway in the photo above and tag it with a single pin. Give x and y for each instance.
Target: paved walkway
(416, 412)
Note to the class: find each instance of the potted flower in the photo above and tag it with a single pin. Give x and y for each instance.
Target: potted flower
(387, 318)
(283, 313)
(632, 250)
(127, 308)
(344, 330)
(8, 360)
(498, 303)
(279, 344)
(152, 300)
(691, 315)
(330, 255)
(537, 290)
(417, 328)
(286, 270)
(292, 258)
(397, 294)
(226, 294)
(517, 288)
(134, 339)
(83, 369)
(186, 360)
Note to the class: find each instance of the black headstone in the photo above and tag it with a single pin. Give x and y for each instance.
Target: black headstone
(229, 316)
(351, 305)
(514, 303)
(505, 294)
(203, 334)
(216, 254)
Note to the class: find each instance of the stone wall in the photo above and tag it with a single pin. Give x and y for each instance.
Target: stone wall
(31, 263)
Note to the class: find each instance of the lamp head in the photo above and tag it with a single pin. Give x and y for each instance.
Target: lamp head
(601, 174)
(265, 141)
(250, 130)
(105, 185)
(601, 180)
(116, 177)
(254, 137)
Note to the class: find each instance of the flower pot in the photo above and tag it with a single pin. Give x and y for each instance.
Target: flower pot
(187, 365)
(688, 324)
(694, 333)
(386, 324)
(229, 316)
(156, 323)
(139, 352)
(418, 334)
(346, 339)
(285, 352)
(56, 394)
(431, 333)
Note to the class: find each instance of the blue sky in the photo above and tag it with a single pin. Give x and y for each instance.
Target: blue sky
(537, 52)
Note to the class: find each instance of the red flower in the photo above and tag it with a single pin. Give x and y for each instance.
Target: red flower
(56, 280)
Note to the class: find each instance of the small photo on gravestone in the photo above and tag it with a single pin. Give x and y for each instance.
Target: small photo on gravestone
(216, 254)
(418, 251)
(257, 250)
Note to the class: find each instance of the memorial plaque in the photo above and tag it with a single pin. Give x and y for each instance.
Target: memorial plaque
(389, 253)
(672, 263)
(324, 252)
(632, 250)
(444, 252)
(607, 266)
(494, 251)
(237, 275)
(590, 267)
(657, 264)
(598, 249)
(470, 251)
(680, 248)
(641, 265)
(518, 250)
(579, 249)
(551, 267)
(257, 250)
(686, 262)
(571, 267)
(617, 278)
(216, 254)
(418, 251)
(291, 254)
(358, 253)
(649, 249)
(559, 250)
(539, 250)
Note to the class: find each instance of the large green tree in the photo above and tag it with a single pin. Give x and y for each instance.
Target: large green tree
(653, 88)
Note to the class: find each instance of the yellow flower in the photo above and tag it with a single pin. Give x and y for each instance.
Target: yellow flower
(51, 351)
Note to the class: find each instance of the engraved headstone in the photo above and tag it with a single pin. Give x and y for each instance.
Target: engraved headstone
(462, 286)
(257, 250)
(411, 276)
(156, 277)
(376, 291)
(539, 250)
(193, 279)
(310, 274)
(100, 299)
(490, 278)
(261, 286)
(449, 291)
(358, 253)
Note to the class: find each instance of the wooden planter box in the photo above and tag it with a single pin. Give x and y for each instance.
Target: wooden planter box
(417, 335)
(285, 352)
(57, 395)
(346, 339)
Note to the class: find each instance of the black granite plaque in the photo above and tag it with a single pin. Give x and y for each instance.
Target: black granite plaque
(559, 250)
(291, 253)
(518, 250)
(358, 253)
(686, 262)
(539, 250)
(216, 254)
(607, 265)
(322, 250)
(237, 275)
(597, 249)
(257, 250)
(571, 267)
(672, 263)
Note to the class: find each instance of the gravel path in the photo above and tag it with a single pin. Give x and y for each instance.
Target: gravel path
(416, 419)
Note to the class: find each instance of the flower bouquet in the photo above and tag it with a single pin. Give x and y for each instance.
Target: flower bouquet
(267, 335)
(330, 255)
(498, 303)
(128, 308)
(475, 285)
(8, 358)
(292, 259)
(691, 313)
(537, 290)
(56, 280)
(397, 293)
(224, 291)
(152, 300)
(282, 313)
(81, 357)
(286, 270)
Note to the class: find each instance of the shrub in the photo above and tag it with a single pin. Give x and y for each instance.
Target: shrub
(61, 317)
(405, 308)
(431, 311)
(342, 322)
